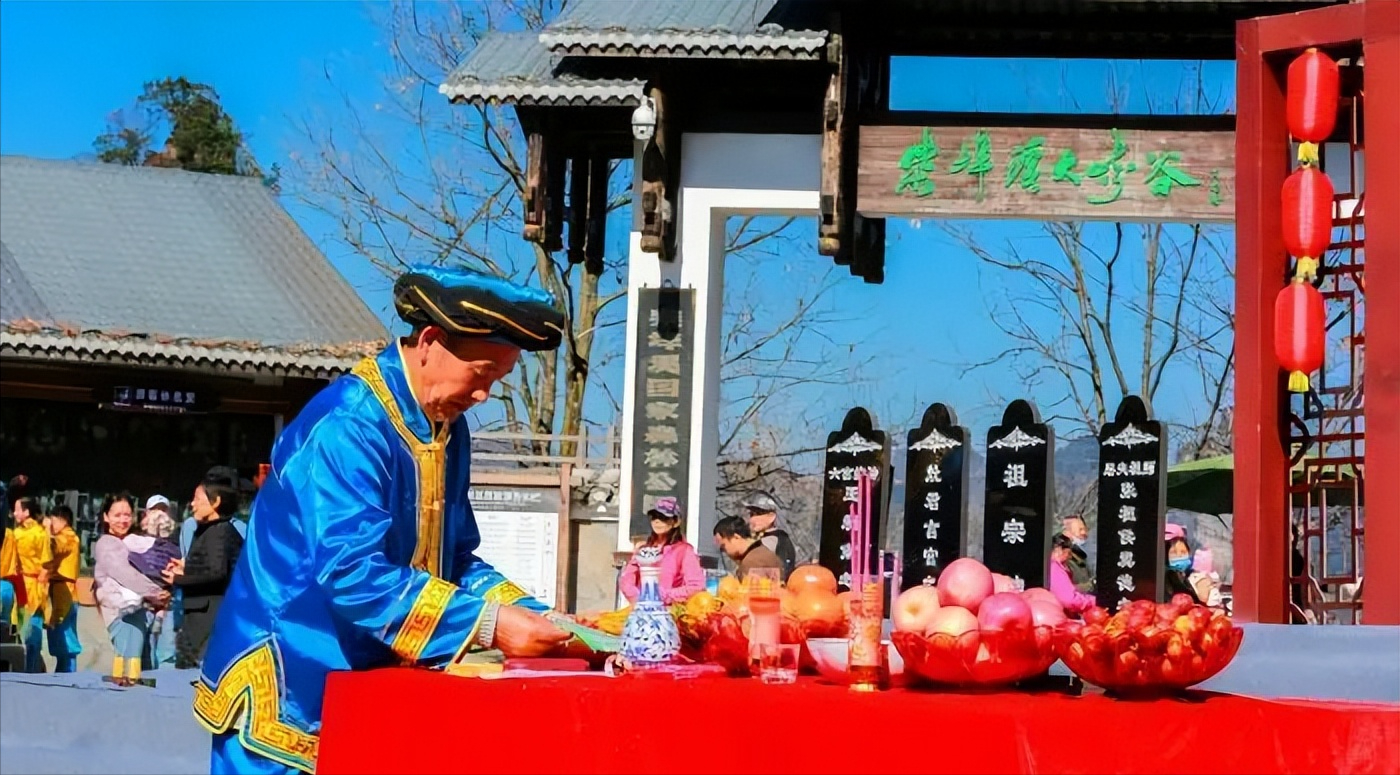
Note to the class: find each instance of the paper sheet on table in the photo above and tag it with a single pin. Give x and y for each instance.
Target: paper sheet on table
(597, 640)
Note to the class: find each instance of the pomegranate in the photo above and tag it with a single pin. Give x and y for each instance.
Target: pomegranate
(965, 583)
(1003, 610)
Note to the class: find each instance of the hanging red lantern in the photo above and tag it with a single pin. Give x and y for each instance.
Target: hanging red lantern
(1299, 324)
(1313, 93)
(1307, 217)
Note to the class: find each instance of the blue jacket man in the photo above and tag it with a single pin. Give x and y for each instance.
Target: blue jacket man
(361, 544)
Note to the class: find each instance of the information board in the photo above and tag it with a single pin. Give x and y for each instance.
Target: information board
(520, 535)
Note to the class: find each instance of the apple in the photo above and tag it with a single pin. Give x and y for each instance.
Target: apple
(951, 620)
(1096, 615)
(1004, 610)
(1045, 614)
(965, 583)
(1040, 593)
(1003, 583)
(913, 610)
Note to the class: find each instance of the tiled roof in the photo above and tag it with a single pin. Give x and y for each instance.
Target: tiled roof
(147, 263)
(727, 29)
(514, 68)
(33, 340)
(17, 296)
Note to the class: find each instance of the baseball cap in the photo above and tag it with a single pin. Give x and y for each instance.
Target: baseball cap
(761, 502)
(667, 507)
(157, 500)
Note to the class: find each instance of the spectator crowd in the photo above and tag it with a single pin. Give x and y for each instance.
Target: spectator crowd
(157, 580)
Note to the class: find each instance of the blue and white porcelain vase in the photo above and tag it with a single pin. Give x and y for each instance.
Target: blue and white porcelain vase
(650, 637)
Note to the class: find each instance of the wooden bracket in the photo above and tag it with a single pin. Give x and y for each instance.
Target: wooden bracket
(545, 174)
(534, 187)
(833, 213)
(596, 227)
(578, 208)
(556, 178)
(868, 249)
(868, 90)
(660, 165)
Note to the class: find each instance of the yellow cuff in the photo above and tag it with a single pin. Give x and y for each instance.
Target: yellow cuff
(422, 619)
(505, 593)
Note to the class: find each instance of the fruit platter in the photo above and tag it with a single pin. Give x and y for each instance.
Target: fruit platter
(1149, 649)
(714, 628)
(974, 629)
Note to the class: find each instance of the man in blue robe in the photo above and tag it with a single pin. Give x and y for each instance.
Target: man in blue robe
(361, 544)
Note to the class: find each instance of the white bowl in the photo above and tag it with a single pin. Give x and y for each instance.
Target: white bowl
(832, 658)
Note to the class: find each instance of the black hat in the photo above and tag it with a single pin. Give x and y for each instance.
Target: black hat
(470, 304)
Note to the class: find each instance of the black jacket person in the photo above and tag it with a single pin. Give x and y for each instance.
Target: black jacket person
(763, 518)
(204, 574)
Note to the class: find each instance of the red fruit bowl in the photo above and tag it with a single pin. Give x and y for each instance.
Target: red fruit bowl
(977, 659)
(1148, 662)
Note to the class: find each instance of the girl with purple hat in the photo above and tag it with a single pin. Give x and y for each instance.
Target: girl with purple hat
(681, 574)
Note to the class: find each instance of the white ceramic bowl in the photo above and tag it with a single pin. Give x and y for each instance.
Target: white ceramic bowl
(831, 657)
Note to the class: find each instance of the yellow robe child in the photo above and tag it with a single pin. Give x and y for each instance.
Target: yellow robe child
(63, 575)
(35, 549)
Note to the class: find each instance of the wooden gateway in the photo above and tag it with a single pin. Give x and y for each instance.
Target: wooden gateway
(782, 106)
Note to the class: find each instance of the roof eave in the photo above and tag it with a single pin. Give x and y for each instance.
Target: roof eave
(40, 346)
(798, 46)
(627, 94)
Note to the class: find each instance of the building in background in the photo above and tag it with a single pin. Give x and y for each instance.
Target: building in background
(155, 322)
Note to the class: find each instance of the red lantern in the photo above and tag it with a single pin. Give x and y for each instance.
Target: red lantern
(1299, 324)
(1313, 92)
(1307, 213)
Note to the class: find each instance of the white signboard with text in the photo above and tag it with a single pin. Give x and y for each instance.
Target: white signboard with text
(520, 535)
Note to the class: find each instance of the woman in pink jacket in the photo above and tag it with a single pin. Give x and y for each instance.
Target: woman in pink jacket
(681, 574)
(1074, 601)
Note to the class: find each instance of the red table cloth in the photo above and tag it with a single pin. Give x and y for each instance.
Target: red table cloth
(414, 721)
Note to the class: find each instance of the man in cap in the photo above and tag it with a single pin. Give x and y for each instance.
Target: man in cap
(361, 547)
(763, 519)
(1075, 529)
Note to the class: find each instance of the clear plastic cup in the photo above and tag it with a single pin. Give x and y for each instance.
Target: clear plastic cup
(777, 663)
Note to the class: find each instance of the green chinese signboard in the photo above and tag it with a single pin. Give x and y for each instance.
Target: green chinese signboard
(1046, 173)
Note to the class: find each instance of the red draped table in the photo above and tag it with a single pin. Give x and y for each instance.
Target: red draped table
(413, 721)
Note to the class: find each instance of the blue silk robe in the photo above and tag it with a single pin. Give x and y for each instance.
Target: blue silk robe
(360, 554)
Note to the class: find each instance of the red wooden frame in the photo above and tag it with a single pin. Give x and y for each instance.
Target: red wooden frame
(1264, 47)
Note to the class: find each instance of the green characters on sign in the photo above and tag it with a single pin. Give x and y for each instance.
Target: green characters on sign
(1024, 167)
(1165, 173)
(1065, 167)
(1109, 171)
(1216, 198)
(975, 159)
(916, 167)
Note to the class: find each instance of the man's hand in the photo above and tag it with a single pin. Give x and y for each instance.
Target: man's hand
(523, 633)
(159, 601)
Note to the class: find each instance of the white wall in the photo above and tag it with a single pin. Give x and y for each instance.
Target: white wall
(721, 175)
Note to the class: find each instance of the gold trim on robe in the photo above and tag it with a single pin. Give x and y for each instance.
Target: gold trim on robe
(430, 458)
(247, 698)
(417, 628)
(505, 593)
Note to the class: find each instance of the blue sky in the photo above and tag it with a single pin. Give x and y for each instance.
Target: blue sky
(65, 66)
